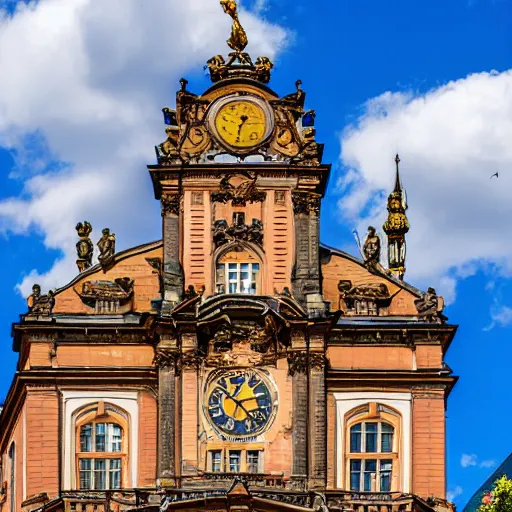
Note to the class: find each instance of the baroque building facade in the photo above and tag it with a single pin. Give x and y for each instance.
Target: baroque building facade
(238, 363)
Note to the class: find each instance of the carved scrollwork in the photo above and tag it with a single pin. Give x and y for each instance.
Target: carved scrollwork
(306, 203)
(297, 362)
(239, 195)
(166, 359)
(317, 361)
(223, 233)
(107, 296)
(171, 204)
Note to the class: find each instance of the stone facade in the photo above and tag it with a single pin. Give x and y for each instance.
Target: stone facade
(238, 363)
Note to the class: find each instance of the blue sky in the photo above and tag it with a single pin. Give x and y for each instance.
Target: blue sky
(80, 113)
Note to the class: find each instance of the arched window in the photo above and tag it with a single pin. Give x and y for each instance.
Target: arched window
(372, 449)
(101, 448)
(12, 476)
(238, 271)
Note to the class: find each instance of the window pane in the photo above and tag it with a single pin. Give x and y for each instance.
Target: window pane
(232, 288)
(100, 480)
(244, 266)
(115, 474)
(232, 266)
(255, 267)
(355, 475)
(253, 458)
(234, 462)
(355, 438)
(85, 474)
(385, 475)
(100, 437)
(371, 437)
(233, 276)
(86, 438)
(216, 461)
(370, 469)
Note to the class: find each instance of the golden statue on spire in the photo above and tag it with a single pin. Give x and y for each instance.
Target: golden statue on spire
(238, 40)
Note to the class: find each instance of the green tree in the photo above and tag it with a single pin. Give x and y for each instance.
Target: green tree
(500, 498)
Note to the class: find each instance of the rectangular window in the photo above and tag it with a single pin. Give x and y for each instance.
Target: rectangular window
(386, 467)
(241, 277)
(85, 474)
(386, 438)
(234, 461)
(86, 438)
(216, 456)
(355, 475)
(355, 439)
(100, 437)
(370, 471)
(100, 474)
(253, 461)
(115, 474)
(371, 437)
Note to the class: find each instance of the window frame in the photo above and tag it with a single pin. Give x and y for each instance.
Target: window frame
(373, 413)
(96, 416)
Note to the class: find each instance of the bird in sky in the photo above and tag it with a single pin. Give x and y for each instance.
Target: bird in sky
(495, 174)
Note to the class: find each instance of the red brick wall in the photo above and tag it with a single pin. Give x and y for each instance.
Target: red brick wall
(428, 444)
(42, 441)
(147, 439)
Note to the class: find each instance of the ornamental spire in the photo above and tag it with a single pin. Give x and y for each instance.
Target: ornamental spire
(396, 226)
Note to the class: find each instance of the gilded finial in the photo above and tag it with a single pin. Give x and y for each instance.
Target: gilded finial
(396, 226)
(238, 39)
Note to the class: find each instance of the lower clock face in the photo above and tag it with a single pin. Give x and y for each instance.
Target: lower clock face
(240, 403)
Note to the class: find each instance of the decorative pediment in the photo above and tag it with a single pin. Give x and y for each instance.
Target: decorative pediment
(107, 297)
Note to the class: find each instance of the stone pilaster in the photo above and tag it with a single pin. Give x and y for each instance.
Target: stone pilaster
(172, 270)
(297, 369)
(166, 359)
(317, 421)
(306, 271)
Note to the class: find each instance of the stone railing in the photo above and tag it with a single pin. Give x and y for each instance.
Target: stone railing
(383, 502)
(108, 501)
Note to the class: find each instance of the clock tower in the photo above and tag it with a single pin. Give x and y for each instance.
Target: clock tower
(240, 180)
(237, 364)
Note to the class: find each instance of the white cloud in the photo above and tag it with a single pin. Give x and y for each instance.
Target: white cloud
(453, 493)
(487, 463)
(468, 460)
(450, 140)
(500, 315)
(83, 82)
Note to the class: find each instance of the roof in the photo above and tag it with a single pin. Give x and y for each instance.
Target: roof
(476, 500)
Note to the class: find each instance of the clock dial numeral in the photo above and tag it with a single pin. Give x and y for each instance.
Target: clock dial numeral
(239, 403)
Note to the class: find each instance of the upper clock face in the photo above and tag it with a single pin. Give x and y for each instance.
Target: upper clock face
(241, 123)
(240, 403)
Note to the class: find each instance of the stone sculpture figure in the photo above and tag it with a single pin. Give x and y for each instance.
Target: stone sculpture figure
(40, 305)
(220, 228)
(107, 246)
(371, 248)
(84, 246)
(430, 306)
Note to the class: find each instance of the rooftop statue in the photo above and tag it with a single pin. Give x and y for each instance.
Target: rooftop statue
(238, 39)
(107, 246)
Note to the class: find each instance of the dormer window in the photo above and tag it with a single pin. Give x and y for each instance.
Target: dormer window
(238, 271)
